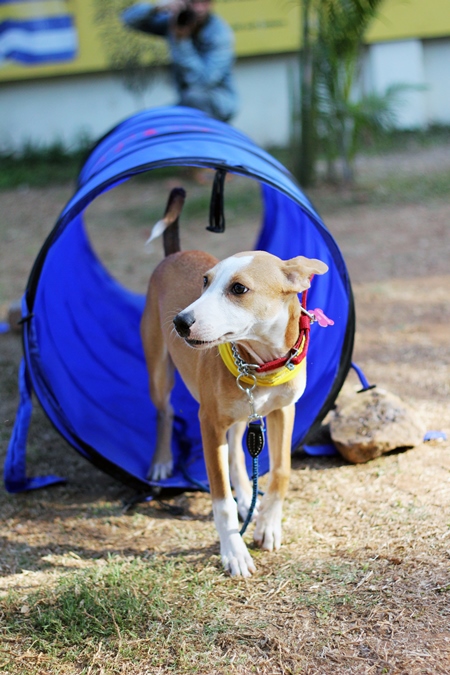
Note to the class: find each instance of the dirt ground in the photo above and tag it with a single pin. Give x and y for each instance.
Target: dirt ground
(383, 527)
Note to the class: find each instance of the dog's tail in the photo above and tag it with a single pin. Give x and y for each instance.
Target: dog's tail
(168, 225)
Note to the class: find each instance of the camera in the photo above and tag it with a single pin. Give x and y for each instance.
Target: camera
(186, 17)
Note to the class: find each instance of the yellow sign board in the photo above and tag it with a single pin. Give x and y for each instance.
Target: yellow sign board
(262, 26)
(406, 19)
(64, 37)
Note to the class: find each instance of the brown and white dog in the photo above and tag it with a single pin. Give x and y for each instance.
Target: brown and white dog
(194, 304)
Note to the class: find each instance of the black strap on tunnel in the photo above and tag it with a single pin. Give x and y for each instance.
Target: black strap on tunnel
(216, 207)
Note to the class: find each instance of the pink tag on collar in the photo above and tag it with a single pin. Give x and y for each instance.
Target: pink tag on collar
(321, 319)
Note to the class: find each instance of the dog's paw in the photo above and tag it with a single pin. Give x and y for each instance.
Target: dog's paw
(160, 471)
(243, 505)
(235, 557)
(267, 534)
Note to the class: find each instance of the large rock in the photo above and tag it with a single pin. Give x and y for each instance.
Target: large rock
(366, 425)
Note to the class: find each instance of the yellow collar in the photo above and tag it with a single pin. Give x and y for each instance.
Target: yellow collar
(270, 379)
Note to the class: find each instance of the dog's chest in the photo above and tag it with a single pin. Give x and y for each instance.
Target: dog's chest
(268, 399)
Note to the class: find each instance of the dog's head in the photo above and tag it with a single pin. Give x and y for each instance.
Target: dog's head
(246, 297)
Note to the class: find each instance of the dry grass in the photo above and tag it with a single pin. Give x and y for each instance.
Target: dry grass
(362, 582)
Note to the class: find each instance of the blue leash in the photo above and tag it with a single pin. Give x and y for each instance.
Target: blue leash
(256, 427)
(255, 442)
(255, 492)
(254, 495)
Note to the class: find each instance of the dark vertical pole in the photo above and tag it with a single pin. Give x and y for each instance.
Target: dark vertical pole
(306, 159)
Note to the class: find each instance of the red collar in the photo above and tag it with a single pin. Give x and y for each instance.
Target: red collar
(299, 350)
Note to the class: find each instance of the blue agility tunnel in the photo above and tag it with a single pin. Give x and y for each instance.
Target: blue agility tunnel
(82, 352)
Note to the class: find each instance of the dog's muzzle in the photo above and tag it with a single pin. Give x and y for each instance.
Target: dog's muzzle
(183, 322)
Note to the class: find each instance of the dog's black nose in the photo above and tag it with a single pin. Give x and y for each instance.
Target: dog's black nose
(183, 323)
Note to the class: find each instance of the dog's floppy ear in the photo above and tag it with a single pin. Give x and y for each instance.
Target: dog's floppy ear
(299, 271)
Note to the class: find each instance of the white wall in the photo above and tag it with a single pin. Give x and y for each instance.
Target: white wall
(437, 76)
(265, 88)
(43, 111)
(401, 63)
(66, 109)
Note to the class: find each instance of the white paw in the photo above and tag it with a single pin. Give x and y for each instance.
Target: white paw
(235, 557)
(160, 471)
(243, 505)
(267, 534)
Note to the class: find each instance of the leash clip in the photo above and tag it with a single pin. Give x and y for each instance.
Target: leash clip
(289, 365)
(247, 390)
(312, 317)
(253, 418)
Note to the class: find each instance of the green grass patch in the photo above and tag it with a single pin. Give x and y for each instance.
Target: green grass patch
(53, 165)
(37, 167)
(402, 140)
(384, 143)
(161, 611)
(242, 201)
(395, 188)
(326, 588)
(166, 615)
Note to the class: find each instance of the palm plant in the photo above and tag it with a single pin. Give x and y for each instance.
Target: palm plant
(130, 55)
(344, 124)
(330, 114)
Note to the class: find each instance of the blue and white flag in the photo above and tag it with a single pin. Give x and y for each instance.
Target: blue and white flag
(36, 33)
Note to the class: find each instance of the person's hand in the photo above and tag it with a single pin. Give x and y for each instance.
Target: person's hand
(182, 32)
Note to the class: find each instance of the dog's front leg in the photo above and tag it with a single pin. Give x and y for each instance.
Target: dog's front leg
(280, 424)
(238, 470)
(235, 557)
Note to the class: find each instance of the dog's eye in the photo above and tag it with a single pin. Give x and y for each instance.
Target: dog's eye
(238, 289)
(205, 282)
